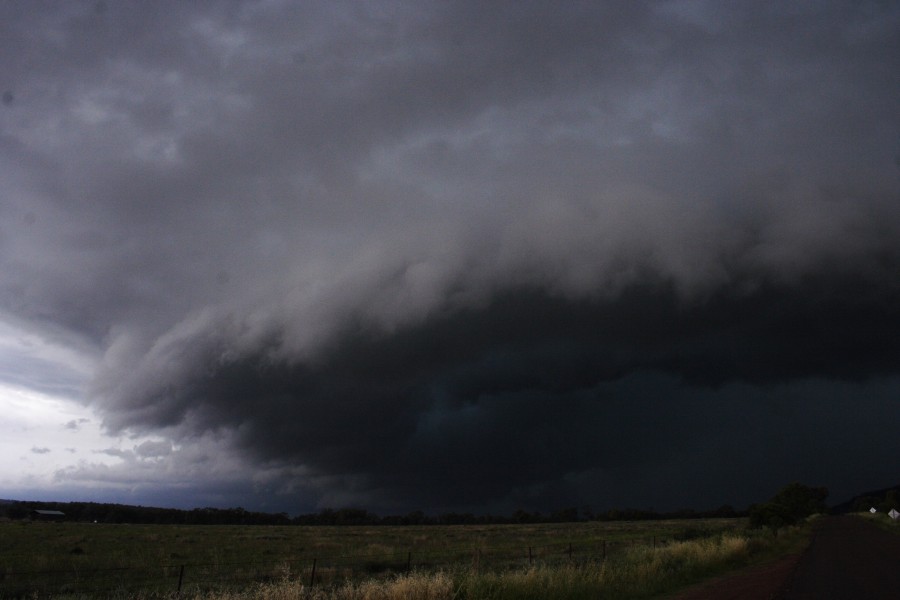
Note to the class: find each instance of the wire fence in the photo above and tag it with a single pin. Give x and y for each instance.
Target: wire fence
(169, 579)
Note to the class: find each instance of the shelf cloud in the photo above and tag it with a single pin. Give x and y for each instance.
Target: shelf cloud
(462, 257)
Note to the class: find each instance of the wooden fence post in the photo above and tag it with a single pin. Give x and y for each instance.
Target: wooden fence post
(530, 557)
(312, 577)
(180, 578)
(408, 561)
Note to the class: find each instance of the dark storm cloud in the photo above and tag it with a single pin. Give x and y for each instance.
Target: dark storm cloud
(457, 255)
(467, 408)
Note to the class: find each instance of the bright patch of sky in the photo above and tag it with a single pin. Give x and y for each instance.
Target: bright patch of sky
(39, 433)
(45, 425)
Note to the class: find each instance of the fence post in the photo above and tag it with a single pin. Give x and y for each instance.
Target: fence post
(408, 561)
(312, 577)
(180, 578)
(530, 557)
(570, 551)
(604, 550)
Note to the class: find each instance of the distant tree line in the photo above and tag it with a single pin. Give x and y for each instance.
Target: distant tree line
(351, 516)
(121, 513)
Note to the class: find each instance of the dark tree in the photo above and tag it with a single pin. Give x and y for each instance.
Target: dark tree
(791, 504)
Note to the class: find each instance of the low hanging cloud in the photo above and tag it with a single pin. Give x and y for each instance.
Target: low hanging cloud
(457, 256)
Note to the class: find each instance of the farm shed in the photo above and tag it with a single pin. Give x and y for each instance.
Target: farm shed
(47, 515)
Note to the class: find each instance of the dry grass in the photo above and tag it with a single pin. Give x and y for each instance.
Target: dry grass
(640, 572)
(416, 586)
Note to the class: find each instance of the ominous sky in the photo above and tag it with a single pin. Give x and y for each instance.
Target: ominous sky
(445, 256)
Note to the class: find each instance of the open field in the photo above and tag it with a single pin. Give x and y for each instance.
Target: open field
(103, 558)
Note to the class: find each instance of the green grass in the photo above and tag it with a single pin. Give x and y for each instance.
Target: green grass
(106, 560)
(881, 519)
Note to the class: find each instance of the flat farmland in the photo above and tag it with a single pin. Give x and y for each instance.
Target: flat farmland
(54, 558)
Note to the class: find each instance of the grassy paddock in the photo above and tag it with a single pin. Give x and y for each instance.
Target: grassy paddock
(640, 572)
(102, 560)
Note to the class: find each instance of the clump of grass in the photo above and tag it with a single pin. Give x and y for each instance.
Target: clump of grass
(648, 571)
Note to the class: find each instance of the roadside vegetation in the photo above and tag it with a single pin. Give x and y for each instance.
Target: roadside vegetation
(881, 520)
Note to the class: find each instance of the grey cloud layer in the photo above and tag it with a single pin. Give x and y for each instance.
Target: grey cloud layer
(372, 240)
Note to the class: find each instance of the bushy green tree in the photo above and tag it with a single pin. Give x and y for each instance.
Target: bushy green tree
(790, 505)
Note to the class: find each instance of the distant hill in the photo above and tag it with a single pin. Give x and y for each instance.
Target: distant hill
(883, 500)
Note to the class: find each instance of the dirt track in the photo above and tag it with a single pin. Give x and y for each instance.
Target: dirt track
(846, 559)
